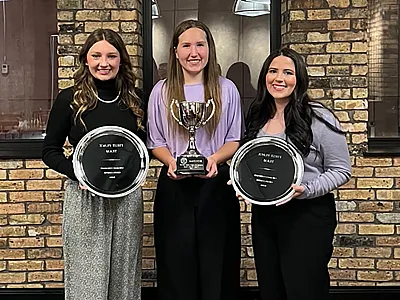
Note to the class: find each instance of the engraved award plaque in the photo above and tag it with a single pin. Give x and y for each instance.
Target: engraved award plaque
(192, 115)
(111, 161)
(263, 170)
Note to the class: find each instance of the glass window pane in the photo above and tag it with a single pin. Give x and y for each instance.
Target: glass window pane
(242, 42)
(383, 73)
(26, 28)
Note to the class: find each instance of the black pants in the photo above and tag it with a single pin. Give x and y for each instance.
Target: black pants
(292, 248)
(197, 238)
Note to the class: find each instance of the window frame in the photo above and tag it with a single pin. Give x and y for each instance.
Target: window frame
(383, 146)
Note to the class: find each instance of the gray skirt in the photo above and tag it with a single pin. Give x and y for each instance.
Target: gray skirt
(102, 242)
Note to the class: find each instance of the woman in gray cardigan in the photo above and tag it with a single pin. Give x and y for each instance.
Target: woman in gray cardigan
(293, 241)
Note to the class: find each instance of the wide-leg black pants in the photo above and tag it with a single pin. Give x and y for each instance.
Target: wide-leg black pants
(292, 248)
(197, 238)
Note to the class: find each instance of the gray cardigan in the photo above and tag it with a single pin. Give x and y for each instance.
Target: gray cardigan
(328, 165)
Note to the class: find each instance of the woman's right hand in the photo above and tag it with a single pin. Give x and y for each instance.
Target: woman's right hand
(171, 171)
(238, 195)
(84, 188)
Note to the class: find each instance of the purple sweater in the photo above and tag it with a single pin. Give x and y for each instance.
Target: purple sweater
(230, 127)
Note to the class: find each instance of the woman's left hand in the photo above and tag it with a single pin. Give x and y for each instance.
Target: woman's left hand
(211, 168)
(298, 190)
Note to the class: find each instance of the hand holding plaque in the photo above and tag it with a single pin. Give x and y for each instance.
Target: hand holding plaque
(263, 170)
(192, 115)
(111, 161)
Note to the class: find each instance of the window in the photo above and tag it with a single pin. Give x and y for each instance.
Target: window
(383, 77)
(241, 30)
(27, 81)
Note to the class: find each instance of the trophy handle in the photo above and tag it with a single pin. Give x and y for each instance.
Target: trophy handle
(212, 112)
(171, 108)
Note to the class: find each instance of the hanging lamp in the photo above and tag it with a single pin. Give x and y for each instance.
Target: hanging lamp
(253, 8)
(155, 10)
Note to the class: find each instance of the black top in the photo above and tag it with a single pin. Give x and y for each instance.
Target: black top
(61, 124)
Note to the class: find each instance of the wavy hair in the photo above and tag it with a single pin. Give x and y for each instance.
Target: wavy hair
(175, 81)
(85, 91)
(298, 112)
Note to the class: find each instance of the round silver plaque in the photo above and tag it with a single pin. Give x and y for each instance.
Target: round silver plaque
(263, 170)
(111, 161)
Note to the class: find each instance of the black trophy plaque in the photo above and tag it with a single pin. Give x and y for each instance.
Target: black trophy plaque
(111, 161)
(264, 169)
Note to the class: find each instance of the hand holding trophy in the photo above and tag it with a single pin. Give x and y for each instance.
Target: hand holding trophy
(192, 115)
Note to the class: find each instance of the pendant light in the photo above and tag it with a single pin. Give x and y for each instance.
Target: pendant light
(252, 8)
(155, 10)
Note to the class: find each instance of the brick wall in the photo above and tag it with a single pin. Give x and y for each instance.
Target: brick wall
(30, 225)
(332, 35)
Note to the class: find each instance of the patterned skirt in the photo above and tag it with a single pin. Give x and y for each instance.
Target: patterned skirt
(102, 241)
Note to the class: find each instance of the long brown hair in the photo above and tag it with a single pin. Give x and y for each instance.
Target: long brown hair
(299, 112)
(175, 80)
(85, 89)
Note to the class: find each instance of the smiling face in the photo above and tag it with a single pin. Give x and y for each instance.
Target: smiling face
(192, 53)
(103, 60)
(281, 78)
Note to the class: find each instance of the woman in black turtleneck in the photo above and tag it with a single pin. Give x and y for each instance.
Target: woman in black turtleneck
(101, 237)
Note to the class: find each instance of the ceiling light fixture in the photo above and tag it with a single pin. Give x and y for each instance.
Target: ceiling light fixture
(249, 8)
(155, 10)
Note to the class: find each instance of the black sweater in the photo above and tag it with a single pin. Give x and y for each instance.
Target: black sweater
(61, 124)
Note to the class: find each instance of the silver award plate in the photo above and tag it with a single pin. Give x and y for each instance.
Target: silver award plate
(111, 161)
(263, 170)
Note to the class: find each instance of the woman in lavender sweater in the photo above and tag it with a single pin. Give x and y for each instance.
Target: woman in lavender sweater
(196, 218)
(293, 241)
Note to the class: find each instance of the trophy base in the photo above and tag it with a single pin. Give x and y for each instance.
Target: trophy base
(191, 165)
